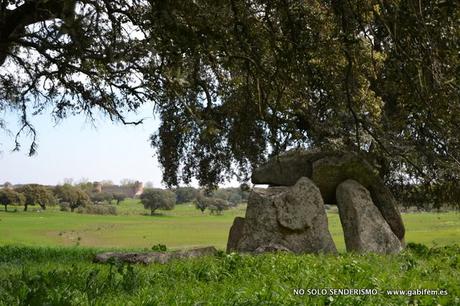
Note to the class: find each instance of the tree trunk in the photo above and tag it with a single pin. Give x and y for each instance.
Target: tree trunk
(6, 207)
(152, 212)
(25, 207)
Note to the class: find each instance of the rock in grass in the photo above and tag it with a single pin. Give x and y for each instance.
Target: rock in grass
(154, 257)
(235, 234)
(290, 218)
(364, 227)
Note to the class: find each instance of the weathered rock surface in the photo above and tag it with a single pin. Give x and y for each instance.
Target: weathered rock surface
(287, 168)
(270, 248)
(235, 234)
(328, 170)
(386, 203)
(290, 218)
(154, 257)
(364, 227)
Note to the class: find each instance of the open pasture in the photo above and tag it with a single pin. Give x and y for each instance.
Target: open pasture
(182, 227)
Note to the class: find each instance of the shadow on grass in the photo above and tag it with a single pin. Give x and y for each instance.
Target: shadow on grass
(14, 211)
(156, 215)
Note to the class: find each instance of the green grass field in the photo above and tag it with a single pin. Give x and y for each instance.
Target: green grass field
(67, 276)
(46, 259)
(182, 227)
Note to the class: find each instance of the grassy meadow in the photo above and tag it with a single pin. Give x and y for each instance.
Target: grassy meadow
(46, 259)
(182, 227)
(67, 276)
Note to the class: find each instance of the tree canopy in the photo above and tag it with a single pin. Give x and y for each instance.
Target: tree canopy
(154, 199)
(72, 196)
(10, 197)
(236, 81)
(36, 194)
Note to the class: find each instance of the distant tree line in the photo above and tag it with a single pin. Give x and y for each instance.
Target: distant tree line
(215, 201)
(27, 195)
(233, 195)
(87, 196)
(428, 196)
(68, 196)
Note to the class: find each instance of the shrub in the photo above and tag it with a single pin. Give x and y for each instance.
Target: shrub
(101, 197)
(97, 210)
(215, 205)
(159, 248)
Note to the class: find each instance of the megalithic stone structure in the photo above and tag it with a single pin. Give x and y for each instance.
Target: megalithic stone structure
(327, 170)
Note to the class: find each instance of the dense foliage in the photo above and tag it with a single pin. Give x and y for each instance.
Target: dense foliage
(55, 276)
(10, 197)
(185, 194)
(215, 204)
(72, 196)
(37, 194)
(101, 197)
(234, 81)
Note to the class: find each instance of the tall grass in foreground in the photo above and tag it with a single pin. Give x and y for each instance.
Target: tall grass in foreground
(66, 276)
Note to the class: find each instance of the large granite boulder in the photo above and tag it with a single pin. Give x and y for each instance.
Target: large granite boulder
(328, 170)
(364, 227)
(286, 218)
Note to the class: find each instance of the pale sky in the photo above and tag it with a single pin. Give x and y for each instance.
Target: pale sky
(76, 149)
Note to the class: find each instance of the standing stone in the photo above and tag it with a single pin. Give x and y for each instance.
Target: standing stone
(364, 227)
(386, 203)
(287, 218)
(235, 234)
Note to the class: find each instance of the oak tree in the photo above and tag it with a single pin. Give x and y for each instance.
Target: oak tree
(10, 197)
(235, 81)
(154, 199)
(37, 194)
